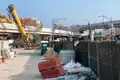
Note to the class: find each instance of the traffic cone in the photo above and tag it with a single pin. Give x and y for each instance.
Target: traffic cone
(3, 59)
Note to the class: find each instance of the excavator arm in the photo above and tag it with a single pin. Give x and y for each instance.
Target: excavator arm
(13, 12)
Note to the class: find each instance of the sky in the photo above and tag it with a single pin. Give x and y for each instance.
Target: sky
(75, 11)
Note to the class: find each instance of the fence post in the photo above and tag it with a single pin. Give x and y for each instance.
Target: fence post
(88, 53)
(97, 47)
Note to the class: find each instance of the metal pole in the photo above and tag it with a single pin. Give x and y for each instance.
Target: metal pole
(98, 64)
(59, 33)
(88, 29)
(88, 44)
(103, 21)
(53, 22)
(111, 26)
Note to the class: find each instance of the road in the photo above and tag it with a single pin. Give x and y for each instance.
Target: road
(23, 67)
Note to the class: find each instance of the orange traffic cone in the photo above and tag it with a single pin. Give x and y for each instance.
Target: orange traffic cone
(3, 59)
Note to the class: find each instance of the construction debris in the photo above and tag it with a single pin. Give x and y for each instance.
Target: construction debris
(51, 54)
(73, 67)
(52, 66)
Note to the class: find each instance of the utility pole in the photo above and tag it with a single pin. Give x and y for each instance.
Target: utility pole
(89, 37)
(111, 26)
(53, 28)
(52, 37)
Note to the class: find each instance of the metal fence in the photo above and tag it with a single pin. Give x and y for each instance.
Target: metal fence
(102, 57)
(64, 45)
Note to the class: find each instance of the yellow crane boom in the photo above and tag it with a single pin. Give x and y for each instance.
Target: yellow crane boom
(13, 12)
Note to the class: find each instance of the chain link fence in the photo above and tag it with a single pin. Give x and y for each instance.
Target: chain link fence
(102, 57)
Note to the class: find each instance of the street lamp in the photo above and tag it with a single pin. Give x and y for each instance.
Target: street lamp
(53, 28)
(58, 19)
(53, 22)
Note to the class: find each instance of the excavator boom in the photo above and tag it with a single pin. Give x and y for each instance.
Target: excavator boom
(13, 12)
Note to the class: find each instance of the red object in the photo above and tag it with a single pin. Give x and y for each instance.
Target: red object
(49, 64)
(28, 21)
(37, 45)
(3, 59)
(52, 73)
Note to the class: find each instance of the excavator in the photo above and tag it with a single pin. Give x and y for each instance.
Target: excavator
(26, 37)
(4, 19)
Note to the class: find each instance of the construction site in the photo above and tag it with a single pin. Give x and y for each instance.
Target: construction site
(31, 51)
